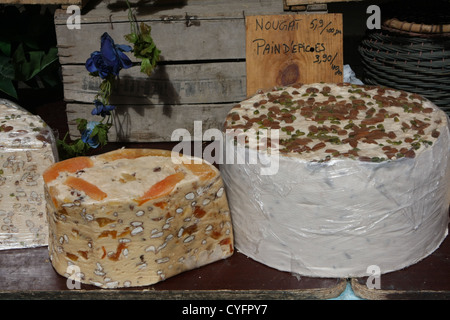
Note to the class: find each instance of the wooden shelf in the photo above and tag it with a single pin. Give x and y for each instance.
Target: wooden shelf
(427, 279)
(306, 2)
(80, 3)
(28, 274)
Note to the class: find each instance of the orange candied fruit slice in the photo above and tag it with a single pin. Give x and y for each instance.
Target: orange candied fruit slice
(91, 190)
(70, 165)
(133, 154)
(161, 188)
(203, 170)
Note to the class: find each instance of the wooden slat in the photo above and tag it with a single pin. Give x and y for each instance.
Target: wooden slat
(200, 77)
(198, 30)
(306, 2)
(208, 40)
(176, 10)
(152, 123)
(168, 84)
(80, 3)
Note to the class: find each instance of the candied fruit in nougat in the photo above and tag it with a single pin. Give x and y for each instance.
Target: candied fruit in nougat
(134, 217)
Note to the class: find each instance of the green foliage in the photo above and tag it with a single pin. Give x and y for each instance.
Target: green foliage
(28, 50)
(100, 133)
(71, 149)
(81, 124)
(76, 148)
(144, 48)
(95, 133)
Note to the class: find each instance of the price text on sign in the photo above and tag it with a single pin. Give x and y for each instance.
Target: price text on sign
(284, 49)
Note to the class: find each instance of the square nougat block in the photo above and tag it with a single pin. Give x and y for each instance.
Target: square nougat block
(27, 148)
(134, 217)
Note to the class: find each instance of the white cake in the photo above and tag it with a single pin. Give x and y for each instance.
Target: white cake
(27, 148)
(133, 217)
(361, 179)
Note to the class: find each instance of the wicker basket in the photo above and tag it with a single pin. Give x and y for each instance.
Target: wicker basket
(410, 56)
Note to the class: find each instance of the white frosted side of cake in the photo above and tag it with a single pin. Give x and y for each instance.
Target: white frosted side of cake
(336, 218)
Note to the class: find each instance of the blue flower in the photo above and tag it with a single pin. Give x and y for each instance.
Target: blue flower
(86, 134)
(101, 109)
(96, 64)
(110, 59)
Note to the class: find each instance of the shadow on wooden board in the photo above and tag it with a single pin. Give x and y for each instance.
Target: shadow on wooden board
(28, 274)
(427, 279)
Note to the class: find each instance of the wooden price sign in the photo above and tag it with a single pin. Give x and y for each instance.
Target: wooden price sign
(285, 49)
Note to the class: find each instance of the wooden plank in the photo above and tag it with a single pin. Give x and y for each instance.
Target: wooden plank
(175, 10)
(427, 279)
(149, 123)
(28, 274)
(169, 84)
(80, 3)
(206, 40)
(284, 49)
(305, 2)
(193, 30)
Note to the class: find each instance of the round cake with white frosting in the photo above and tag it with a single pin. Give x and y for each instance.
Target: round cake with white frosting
(359, 177)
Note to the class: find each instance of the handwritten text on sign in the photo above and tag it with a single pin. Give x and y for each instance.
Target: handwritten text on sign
(308, 47)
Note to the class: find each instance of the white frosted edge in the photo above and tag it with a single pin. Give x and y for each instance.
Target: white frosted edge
(337, 218)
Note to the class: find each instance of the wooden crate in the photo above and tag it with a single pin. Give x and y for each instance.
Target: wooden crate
(79, 3)
(311, 5)
(306, 2)
(201, 75)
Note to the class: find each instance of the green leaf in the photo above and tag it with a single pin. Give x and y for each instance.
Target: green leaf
(39, 60)
(79, 147)
(145, 28)
(6, 68)
(5, 48)
(29, 64)
(49, 58)
(50, 78)
(132, 37)
(146, 66)
(155, 57)
(81, 124)
(32, 67)
(19, 55)
(147, 51)
(7, 87)
(102, 134)
(22, 66)
(144, 48)
(73, 149)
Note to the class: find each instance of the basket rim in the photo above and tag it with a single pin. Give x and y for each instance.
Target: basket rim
(416, 29)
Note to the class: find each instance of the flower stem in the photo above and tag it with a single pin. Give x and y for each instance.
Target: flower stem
(131, 18)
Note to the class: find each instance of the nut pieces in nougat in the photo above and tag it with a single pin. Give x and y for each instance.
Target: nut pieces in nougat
(132, 217)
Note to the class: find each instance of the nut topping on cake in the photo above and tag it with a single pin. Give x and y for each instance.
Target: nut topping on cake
(321, 121)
